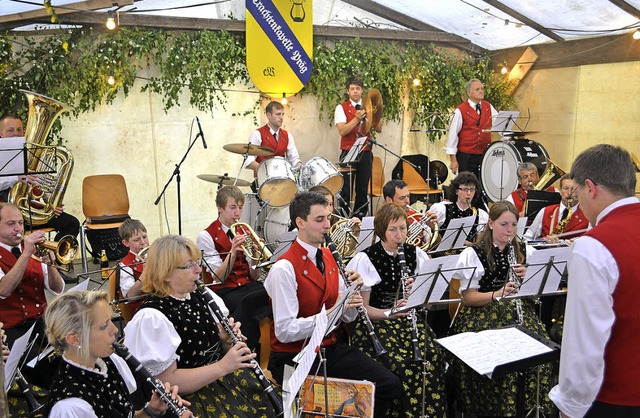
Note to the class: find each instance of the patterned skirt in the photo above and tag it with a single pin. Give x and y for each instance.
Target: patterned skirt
(238, 394)
(417, 379)
(497, 397)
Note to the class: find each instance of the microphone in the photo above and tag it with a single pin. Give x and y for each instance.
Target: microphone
(358, 107)
(204, 143)
(341, 199)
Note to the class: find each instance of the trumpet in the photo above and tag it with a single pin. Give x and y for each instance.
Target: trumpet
(253, 247)
(142, 255)
(65, 251)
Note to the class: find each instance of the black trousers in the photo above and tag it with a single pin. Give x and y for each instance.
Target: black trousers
(361, 177)
(64, 225)
(348, 363)
(248, 304)
(606, 410)
(469, 162)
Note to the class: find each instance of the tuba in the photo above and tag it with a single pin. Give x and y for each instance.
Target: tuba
(549, 176)
(38, 202)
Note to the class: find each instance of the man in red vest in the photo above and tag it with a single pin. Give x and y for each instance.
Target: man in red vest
(226, 265)
(349, 117)
(600, 359)
(470, 130)
(558, 219)
(528, 177)
(300, 283)
(23, 279)
(273, 136)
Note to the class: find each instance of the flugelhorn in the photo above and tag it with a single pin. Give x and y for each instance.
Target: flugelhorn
(65, 251)
(253, 247)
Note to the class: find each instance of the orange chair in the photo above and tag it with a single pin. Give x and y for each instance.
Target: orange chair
(377, 177)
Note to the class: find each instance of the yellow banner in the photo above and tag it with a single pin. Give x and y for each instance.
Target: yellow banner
(279, 44)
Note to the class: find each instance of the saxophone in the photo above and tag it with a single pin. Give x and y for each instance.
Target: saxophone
(559, 229)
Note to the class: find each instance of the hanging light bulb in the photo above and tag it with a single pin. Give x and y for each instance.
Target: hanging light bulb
(636, 34)
(111, 80)
(504, 69)
(284, 99)
(111, 21)
(416, 81)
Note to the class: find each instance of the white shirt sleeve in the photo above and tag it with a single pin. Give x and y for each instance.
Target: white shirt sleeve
(339, 115)
(126, 279)
(468, 276)
(440, 209)
(483, 218)
(362, 264)
(8, 182)
(535, 230)
(589, 317)
(254, 139)
(204, 242)
(152, 339)
(510, 199)
(454, 130)
(292, 151)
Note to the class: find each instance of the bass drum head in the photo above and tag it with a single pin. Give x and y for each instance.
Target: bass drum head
(499, 169)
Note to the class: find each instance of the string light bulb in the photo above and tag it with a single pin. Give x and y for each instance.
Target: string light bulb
(111, 80)
(636, 34)
(504, 69)
(111, 21)
(284, 99)
(416, 81)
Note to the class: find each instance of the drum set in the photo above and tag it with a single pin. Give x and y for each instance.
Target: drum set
(276, 184)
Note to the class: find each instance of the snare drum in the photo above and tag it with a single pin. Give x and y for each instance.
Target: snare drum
(499, 169)
(319, 171)
(275, 225)
(276, 182)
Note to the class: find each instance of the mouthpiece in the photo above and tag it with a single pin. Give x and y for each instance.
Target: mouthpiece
(19, 236)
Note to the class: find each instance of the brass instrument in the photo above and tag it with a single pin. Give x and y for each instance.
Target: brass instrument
(344, 236)
(142, 255)
(549, 176)
(418, 229)
(372, 104)
(559, 229)
(253, 247)
(38, 202)
(65, 251)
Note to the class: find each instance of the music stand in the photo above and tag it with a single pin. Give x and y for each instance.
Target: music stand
(367, 236)
(538, 200)
(455, 234)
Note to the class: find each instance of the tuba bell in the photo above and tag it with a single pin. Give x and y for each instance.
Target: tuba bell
(549, 176)
(38, 202)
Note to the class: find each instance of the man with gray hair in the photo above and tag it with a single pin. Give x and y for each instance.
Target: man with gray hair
(470, 130)
(528, 177)
(600, 356)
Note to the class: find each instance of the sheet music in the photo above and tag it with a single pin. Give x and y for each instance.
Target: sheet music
(449, 240)
(365, 239)
(485, 350)
(505, 120)
(336, 315)
(17, 350)
(522, 224)
(537, 266)
(12, 156)
(355, 150)
(306, 358)
(423, 281)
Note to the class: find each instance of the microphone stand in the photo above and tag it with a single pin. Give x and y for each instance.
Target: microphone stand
(176, 174)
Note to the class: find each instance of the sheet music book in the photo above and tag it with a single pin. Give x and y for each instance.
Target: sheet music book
(444, 267)
(12, 161)
(451, 239)
(484, 351)
(538, 265)
(505, 120)
(354, 153)
(367, 235)
(18, 349)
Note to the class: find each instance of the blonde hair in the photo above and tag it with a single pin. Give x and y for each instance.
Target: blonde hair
(165, 255)
(70, 313)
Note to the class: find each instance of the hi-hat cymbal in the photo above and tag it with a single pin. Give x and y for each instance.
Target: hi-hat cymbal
(257, 150)
(223, 180)
(438, 172)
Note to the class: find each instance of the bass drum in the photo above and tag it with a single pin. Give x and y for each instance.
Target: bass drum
(275, 225)
(276, 181)
(499, 169)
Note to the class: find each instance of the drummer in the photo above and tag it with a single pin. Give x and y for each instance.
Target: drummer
(273, 136)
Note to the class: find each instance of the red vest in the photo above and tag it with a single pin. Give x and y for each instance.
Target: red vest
(240, 271)
(314, 291)
(518, 201)
(136, 267)
(27, 302)
(619, 231)
(347, 141)
(471, 138)
(280, 145)
(550, 222)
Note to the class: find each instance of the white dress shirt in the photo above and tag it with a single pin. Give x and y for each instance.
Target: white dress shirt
(339, 116)
(282, 287)
(292, 155)
(45, 271)
(127, 280)
(456, 127)
(589, 316)
(535, 230)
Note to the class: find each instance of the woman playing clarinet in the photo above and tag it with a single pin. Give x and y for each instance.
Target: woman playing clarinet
(380, 266)
(92, 381)
(498, 259)
(174, 335)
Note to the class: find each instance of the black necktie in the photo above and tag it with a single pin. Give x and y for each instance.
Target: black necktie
(16, 252)
(275, 135)
(319, 262)
(230, 234)
(479, 110)
(565, 213)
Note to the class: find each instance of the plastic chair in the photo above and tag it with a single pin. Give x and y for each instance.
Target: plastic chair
(415, 182)
(377, 177)
(105, 204)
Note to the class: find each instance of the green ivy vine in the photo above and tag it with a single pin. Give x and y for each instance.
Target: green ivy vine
(73, 67)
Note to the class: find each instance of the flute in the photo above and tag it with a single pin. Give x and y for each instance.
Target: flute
(275, 400)
(155, 383)
(362, 312)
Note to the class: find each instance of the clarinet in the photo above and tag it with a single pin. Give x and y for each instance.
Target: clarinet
(362, 312)
(34, 407)
(156, 384)
(412, 317)
(513, 277)
(275, 400)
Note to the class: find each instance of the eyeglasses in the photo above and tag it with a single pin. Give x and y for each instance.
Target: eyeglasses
(467, 189)
(190, 265)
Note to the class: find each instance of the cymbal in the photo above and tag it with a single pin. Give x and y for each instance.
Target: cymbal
(257, 150)
(438, 172)
(223, 180)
